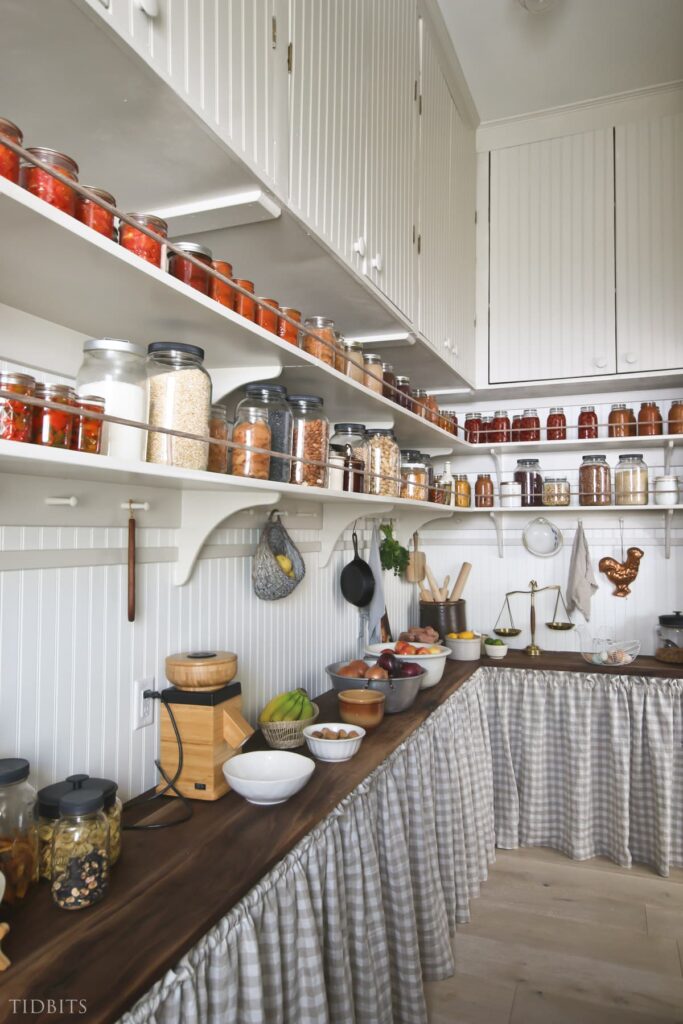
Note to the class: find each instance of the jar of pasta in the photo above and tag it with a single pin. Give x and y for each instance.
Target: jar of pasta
(136, 241)
(54, 427)
(595, 481)
(384, 463)
(372, 366)
(188, 272)
(556, 491)
(16, 416)
(310, 441)
(631, 481)
(251, 430)
(179, 398)
(48, 814)
(9, 160)
(89, 211)
(324, 345)
(41, 183)
(219, 428)
(80, 850)
(414, 478)
(18, 829)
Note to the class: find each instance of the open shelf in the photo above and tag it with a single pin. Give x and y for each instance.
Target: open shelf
(530, 448)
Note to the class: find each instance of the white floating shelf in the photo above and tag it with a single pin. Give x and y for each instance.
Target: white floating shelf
(526, 449)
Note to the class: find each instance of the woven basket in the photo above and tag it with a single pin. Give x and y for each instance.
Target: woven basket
(269, 581)
(286, 735)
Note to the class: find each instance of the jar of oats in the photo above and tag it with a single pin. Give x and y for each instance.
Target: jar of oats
(179, 398)
(384, 463)
(310, 441)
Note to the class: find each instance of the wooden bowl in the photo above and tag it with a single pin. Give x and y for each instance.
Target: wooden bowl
(362, 707)
(201, 670)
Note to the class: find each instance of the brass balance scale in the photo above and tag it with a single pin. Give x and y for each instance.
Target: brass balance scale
(557, 624)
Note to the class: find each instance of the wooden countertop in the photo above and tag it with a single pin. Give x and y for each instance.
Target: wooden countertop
(171, 886)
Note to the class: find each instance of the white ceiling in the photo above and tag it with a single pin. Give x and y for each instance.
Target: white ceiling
(516, 62)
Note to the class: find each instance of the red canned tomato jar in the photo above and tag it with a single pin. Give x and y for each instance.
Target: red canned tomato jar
(187, 271)
(588, 423)
(9, 160)
(499, 432)
(16, 417)
(244, 305)
(54, 427)
(556, 425)
(87, 432)
(41, 183)
(138, 242)
(530, 428)
(219, 290)
(91, 213)
(473, 427)
(286, 331)
(267, 315)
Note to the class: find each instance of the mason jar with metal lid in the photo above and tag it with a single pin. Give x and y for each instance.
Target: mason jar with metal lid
(41, 183)
(414, 476)
(136, 241)
(89, 211)
(595, 481)
(115, 369)
(179, 398)
(186, 271)
(353, 360)
(372, 367)
(323, 327)
(54, 427)
(16, 417)
(9, 160)
(631, 481)
(219, 429)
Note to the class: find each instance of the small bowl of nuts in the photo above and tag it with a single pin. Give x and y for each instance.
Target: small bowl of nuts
(334, 741)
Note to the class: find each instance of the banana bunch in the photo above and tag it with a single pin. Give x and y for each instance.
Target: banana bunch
(292, 706)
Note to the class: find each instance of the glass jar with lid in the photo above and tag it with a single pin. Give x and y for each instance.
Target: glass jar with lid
(48, 815)
(388, 381)
(9, 160)
(187, 271)
(274, 398)
(556, 424)
(38, 181)
(372, 367)
(432, 409)
(463, 491)
(221, 291)
(16, 416)
(675, 422)
(588, 423)
(500, 428)
(86, 435)
(353, 360)
(89, 211)
(670, 630)
(556, 491)
(244, 303)
(414, 478)
(621, 422)
(310, 443)
(80, 850)
(383, 475)
(54, 427)
(528, 475)
(631, 481)
(484, 433)
(483, 491)
(18, 829)
(251, 430)
(649, 420)
(516, 428)
(268, 314)
(403, 395)
(420, 403)
(353, 436)
(530, 427)
(473, 424)
(115, 370)
(286, 331)
(595, 481)
(136, 241)
(324, 345)
(179, 398)
(219, 429)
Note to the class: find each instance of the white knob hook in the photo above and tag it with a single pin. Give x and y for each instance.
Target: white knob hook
(148, 7)
(359, 246)
(72, 502)
(377, 262)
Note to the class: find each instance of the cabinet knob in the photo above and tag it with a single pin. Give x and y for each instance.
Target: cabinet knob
(148, 7)
(600, 362)
(631, 357)
(359, 246)
(377, 262)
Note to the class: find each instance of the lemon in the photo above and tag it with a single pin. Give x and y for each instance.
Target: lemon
(452, 636)
(467, 635)
(284, 563)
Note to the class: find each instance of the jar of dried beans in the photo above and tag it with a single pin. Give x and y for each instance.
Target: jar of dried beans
(16, 417)
(556, 491)
(49, 799)
(384, 463)
(188, 272)
(18, 828)
(251, 430)
(221, 291)
(54, 427)
(89, 211)
(136, 241)
(219, 428)
(595, 481)
(324, 345)
(528, 475)
(273, 398)
(310, 441)
(80, 850)
(37, 180)
(87, 433)
(9, 160)
(179, 398)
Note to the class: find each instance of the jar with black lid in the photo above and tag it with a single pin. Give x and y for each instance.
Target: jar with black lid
(48, 814)
(80, 850)
(18, 828)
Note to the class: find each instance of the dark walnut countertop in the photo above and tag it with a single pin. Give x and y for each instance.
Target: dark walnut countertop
(171, 886)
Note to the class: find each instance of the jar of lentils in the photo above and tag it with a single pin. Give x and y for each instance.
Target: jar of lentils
(179, 398)
(556, 491)
(384, 463)
(310, 441)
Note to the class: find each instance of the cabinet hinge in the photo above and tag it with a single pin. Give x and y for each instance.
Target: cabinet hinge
(290, 58)
(419, 244)
(274, 31)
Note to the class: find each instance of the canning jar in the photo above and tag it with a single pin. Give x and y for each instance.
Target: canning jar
(403, 396)
(268, 314)
(452, 421)
(675, 424)
(556, 425)
(473, 427)
(530, 427)
(463, 491)
(595, 482)
(354, 435)
(414, 479)
(483, 491)
(324, 345)
(432, 409)
(54, 427)
(500, 428)
(442, 489)
(631, 481)
(221, 291)
(510, 494)
(621, 422)
(388, 381)
(345, 473)
(16, 417)
(528, 475)
(187, 271)
(18, 828)
(9, 160)
(48, 815)
(666, 490)
(115, 369)
(485, 432)
(649, 420)
(588, 423)
(420, 407)
(372, 367)
(244, 304)
(251, 430)
(383, 474)
(179, 398)
(353, 361)
(556, 491)
(516, 428)
(310, 441)
(286, 331)
(219, 428)
(80, 850)
(273, 398)
(136, 241)
(41, 183)
(89, 212)
(339, 356)
(87, 432)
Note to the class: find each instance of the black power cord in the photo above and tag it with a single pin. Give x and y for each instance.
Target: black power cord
(170, 783)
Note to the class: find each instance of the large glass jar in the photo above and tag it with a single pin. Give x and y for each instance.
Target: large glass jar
(500, 428)
(16, 417)
(221, 291)
(179, 398)
(530, 428)
(244, 304)
(372, 367)
(18, 828)
(39, 182)
(48, 815)
(621, 421)
(463, 491)
(556, 424)
(80, 850)
(631, 481)
(136, 241)
(675, 424)
(273, 397)
(54, 428)
(115, 370)
(649, 420)
(483, 491)
(403, 395)
(268, 314)
(595, 481)
(420, 407)
(87, 432)
(219, 429)
(528, 475)
(414, 478)
(286, 331)
(432, 409)
(251, 430)
(473, 424)
(310, 441)
(352, 435)
(9, 160)
(384, 463)
(353, 361)
(388, 381)
(588, 423)
(326, 349)
(89, 211)
(187, 271)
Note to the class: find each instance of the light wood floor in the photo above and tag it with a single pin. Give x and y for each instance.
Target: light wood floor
(556, 941)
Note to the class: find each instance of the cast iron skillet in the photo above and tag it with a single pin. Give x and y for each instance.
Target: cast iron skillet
(357, 581)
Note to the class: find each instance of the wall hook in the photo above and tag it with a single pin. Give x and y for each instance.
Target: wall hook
(130, 506)
(72, 501)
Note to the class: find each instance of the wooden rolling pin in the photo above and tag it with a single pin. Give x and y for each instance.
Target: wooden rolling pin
(433, 585)
(459, 585)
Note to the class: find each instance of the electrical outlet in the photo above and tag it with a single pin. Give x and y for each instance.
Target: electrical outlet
(142, 707)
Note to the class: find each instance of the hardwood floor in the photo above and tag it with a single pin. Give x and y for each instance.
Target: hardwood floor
(556, 941)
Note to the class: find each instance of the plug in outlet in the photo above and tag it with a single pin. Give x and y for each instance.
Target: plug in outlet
(142, 707)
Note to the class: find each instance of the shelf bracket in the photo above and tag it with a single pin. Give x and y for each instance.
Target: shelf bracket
(498, 526)
(226, 379)
(412, 520)
(337, 517)
(668, 452)
(202, 512)
(668, 519)
(496, 455)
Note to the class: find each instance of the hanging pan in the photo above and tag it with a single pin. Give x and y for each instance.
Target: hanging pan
(357, 581)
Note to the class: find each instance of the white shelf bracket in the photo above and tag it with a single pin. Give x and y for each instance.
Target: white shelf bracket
(668, 452)
(338, 516)
(412, 520)
(668, 520)
(498, 463)
(498, 526)
(227, 379)
(202, 511)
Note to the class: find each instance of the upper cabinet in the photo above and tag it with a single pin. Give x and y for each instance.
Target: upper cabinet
(551, 281)
(649, 217)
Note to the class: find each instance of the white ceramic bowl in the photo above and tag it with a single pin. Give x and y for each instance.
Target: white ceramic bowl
(496, 651)
(268, 777)
(433, 664)
(464, 650)
(333, 750)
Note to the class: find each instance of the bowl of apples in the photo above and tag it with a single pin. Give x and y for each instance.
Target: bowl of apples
(432, 657)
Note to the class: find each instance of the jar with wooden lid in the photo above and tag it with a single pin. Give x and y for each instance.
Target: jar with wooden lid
(89, 211)
(595, 481)
(179, 398)
(9, 160)
(631, 481)
(414, 477)
(353, 360)
(588, 423)
(388, 381)
(404, 394)
(39, 182)
(675, 422)
(310, 441)
(420, 406)
(383, 474)
(188, 272)
(621, 422)
(483, 491)
(18, 829)
(219, 428)
(251, 430)
(463, 491)
(244, 304)
(286, 331)
(136, 241)
(221, 291)
(16, 416)
(54, 427)
(556, 424)
(80, 850)
(528, 475)
(324, 345)
(372, 367)
(649, 420)
(556, 491)
(267, 314)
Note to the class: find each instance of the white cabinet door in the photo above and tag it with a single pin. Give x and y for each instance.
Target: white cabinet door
(551, 285)
(460, 262)
(649, 214)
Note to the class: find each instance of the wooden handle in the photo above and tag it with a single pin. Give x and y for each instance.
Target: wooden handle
(459, 585)
(131, 569)
(444, 589)
(425, 596)
(433, 585)
(416, 541)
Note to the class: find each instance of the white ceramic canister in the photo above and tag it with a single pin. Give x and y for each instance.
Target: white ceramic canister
(511, 494)
(666, 490)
